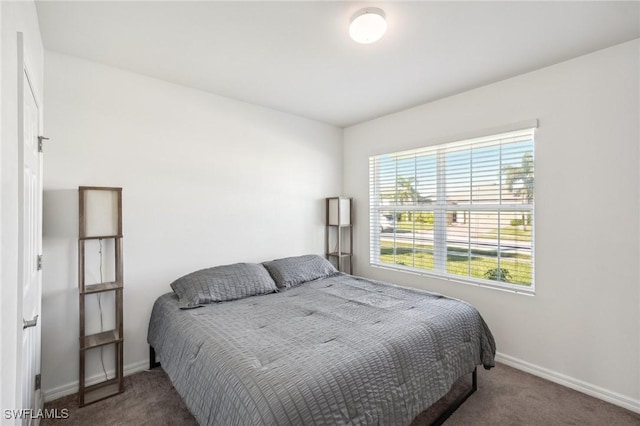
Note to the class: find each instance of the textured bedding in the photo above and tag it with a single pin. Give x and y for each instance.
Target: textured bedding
(339, 350)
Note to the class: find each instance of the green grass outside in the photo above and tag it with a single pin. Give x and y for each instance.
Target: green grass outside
(510, 231)
(519, 266)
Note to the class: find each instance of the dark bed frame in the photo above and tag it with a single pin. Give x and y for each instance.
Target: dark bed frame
(437, 422)
(459, 400)
(152, 358)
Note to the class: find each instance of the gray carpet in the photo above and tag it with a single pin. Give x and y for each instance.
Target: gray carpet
(505, 396)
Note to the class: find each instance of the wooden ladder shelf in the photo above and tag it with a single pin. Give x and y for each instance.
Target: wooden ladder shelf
(94, 219)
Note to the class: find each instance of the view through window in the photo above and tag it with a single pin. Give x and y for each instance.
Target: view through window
(461, 210)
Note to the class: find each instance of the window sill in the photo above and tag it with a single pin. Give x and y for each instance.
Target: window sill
(509, 288)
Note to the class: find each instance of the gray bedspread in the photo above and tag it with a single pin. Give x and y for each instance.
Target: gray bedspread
(341, 350)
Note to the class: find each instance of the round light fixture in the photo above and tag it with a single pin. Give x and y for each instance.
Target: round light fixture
(367, 25)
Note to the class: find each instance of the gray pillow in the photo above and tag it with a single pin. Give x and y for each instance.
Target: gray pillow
(222, 283)
(293, 271)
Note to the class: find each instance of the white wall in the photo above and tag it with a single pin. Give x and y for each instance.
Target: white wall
(2, 336)
(207, 181)
(582, 327)
(16, 17)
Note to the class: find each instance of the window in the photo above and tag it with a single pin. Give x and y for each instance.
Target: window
(461, 210)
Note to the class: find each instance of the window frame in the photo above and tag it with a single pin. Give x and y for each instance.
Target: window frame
(441, 208)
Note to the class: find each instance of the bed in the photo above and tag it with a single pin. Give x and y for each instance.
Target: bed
(334, 349)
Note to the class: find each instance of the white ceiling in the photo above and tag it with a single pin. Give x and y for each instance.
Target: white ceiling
(297, 57)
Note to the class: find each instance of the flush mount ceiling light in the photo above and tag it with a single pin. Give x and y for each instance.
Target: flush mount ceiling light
(367, 25)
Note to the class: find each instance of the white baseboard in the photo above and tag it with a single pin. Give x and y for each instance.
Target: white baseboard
(570, 382)
(71, 388)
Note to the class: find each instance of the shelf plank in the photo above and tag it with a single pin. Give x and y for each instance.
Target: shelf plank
(98, 288)
(101, 391)
(100, 339)
(100, 188)
(100, 237)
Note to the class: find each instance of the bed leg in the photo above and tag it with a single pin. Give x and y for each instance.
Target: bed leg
(458, 402)
(152, 358)
(474, 379)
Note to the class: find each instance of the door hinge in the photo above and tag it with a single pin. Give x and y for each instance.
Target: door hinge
(39, 262)
(38, 381)
(40, 139)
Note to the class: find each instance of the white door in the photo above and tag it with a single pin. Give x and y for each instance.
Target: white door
(30, 243)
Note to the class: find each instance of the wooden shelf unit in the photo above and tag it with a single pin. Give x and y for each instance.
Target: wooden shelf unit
(113, 386)
(339, 227)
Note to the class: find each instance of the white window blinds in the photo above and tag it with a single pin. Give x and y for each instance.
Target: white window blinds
(461, 210)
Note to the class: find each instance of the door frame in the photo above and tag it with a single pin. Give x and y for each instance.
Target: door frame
(24, 72)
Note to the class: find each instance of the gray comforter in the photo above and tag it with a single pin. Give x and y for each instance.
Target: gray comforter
(341, 350)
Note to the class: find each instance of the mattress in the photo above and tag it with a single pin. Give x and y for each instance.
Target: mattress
(340, 350)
